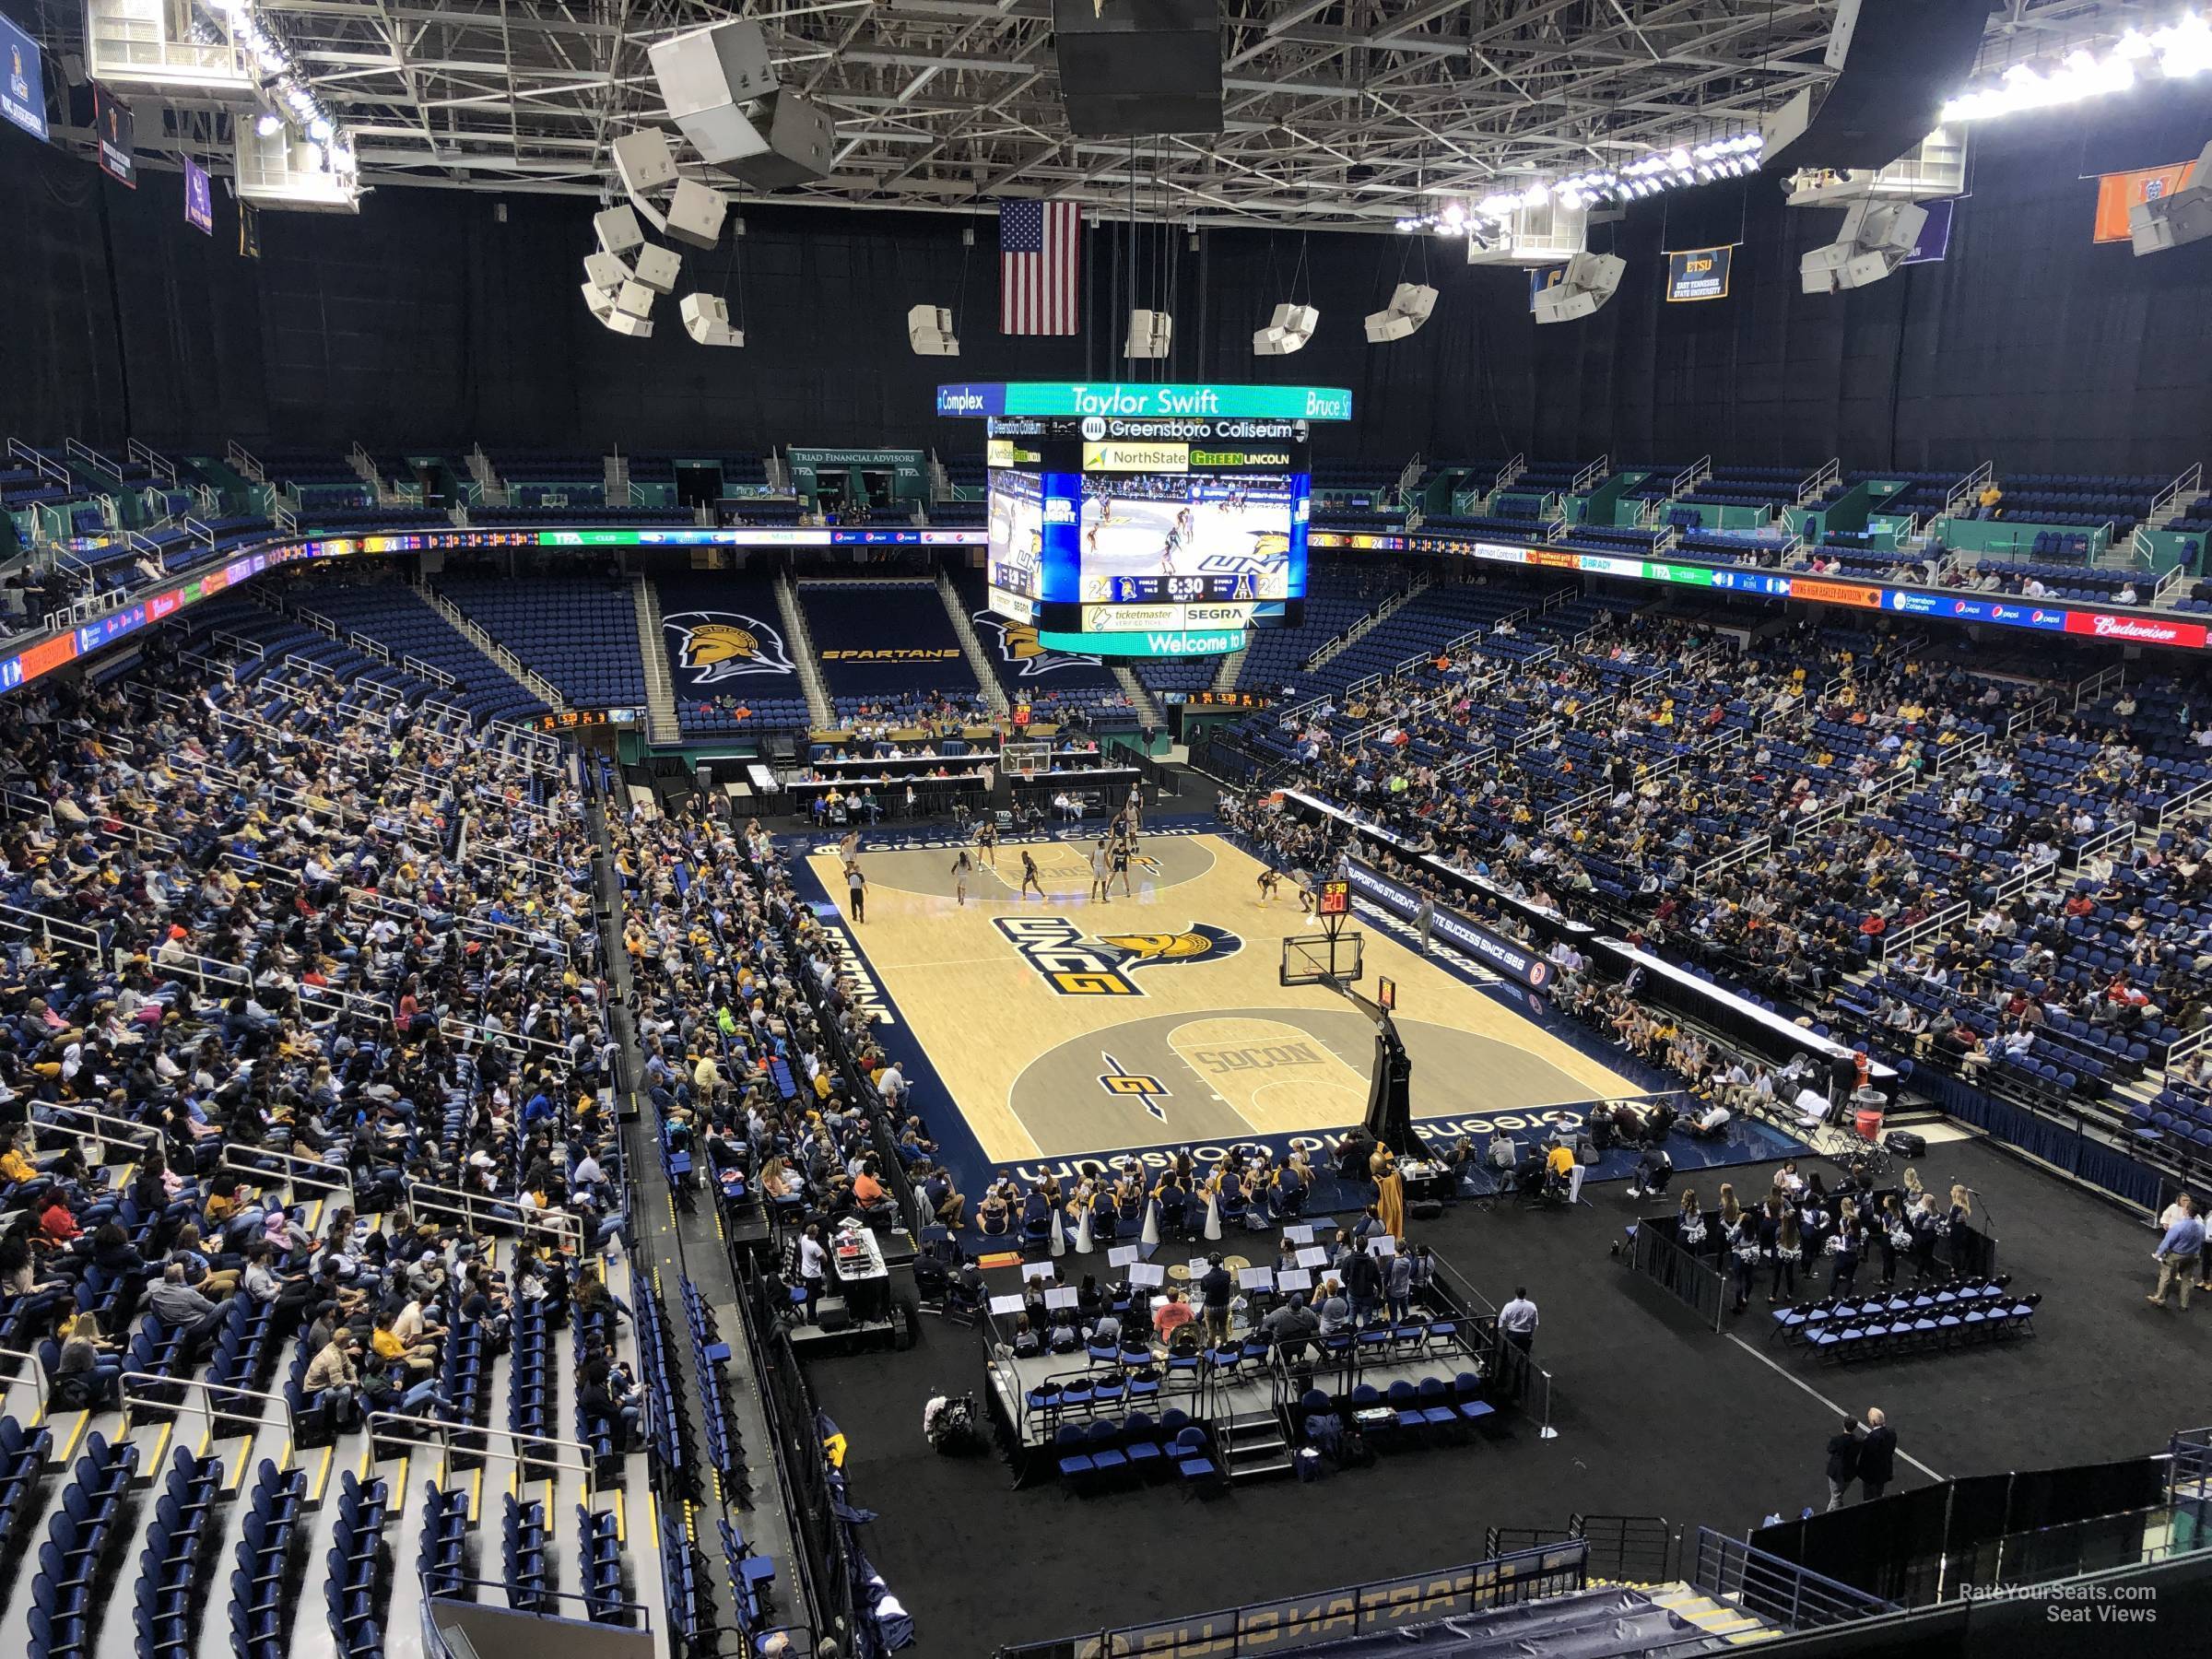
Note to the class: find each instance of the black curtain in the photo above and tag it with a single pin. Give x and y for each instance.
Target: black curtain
(430, 321)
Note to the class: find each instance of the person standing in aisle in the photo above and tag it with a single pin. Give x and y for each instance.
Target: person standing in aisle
(2180, 1253)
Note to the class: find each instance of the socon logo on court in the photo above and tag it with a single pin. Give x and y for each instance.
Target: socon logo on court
(1076, 965)
(714, 646)
(1019, 644)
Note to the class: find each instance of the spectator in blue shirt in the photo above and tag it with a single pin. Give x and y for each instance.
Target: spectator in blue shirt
(2178, 1253)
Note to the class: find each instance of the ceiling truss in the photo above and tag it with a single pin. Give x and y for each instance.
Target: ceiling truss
(1344, 115)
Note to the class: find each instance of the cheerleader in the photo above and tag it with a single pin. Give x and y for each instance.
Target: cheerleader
(1928, 1230)
(1893, 1232)
(1789, 1250)
(1689, 1223)
(1960, 1219)
(1814, 1222)
(1743, 1256)
(1844, 1246)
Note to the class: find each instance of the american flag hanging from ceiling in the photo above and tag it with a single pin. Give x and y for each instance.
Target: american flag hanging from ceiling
(1039, 255)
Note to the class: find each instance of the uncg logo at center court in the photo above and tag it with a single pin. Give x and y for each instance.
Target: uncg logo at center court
(1074, 965)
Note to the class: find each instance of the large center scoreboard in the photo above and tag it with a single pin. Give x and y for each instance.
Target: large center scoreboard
(1147, 536)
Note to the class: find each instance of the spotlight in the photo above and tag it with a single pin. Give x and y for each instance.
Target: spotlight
(269, 126)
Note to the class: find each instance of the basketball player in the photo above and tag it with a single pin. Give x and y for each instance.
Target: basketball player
(848, 845)
(1101, 870)
(1119, 853)
(1305, 891)
(962, 866)
(986, 838)
(1029, 877)
(1270, 879)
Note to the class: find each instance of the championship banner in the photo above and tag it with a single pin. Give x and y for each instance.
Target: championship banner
(22, 91)
(1934, 238)
(2116, 193)
(199, 199)
(1698, 274)
(112, 120)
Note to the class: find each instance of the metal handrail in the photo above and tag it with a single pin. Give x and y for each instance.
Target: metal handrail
(449, 1585)
(539, 1446)
(74, 934)
(204, 1392)
(477, 1212)
(1732, 1570)
(31, 1368)
(333, 1179)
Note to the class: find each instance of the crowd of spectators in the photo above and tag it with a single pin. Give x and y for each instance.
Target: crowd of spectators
(2011, 861)
(283, 946)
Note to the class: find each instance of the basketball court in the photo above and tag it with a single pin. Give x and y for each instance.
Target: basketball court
(1063, 1027)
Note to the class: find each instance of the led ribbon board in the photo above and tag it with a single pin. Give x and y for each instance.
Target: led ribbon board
(1103, 399)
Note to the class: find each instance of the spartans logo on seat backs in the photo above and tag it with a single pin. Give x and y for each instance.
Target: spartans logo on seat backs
(1106, 965)
(1019, 644)
(709, 647)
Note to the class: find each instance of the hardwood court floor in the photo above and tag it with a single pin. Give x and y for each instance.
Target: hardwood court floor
(1063, 1027)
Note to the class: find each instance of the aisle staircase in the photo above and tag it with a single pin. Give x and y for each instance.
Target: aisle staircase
(820, 709)
(1225, 677)
(1254, 1447)
(972, 645)
(662, 726)
(1139, 699)
(543, 689)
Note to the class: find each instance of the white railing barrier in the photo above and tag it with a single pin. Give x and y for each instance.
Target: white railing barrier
(480, 1213)
(535, 1451)
(321, 1179)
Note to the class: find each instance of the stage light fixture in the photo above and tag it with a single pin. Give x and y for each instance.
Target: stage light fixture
(1410, 306)
(2178, 217)
(929, 332)
(1587, 282)
(1288, 330)
(1877, 237)
(1149, 334)
(617, 231)
(707, 320)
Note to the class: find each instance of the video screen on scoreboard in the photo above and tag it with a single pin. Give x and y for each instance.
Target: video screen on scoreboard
(1147, 525)
(1016, 538)
(1152, 538)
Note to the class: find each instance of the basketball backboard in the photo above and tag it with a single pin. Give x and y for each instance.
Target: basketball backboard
(1321, 958)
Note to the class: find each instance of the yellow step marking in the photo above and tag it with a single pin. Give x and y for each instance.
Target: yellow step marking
(84, 1421)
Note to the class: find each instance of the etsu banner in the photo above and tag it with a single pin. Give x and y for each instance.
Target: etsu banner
(23, 92)
(1698, 274)
(1500, 955)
